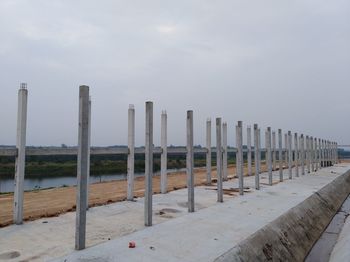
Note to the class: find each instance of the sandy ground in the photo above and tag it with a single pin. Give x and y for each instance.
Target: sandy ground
(56, 201)
(53, 202)
(176, 235)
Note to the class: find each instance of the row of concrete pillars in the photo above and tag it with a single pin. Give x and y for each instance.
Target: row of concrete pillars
(309, 154)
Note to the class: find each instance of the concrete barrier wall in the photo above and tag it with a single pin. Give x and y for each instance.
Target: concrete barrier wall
(291, 236)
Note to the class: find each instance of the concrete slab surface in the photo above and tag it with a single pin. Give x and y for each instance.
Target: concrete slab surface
(177, 235)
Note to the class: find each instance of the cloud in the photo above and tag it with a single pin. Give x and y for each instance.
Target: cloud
(276, 63)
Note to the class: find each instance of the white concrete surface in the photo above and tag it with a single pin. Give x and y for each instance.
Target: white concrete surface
(176, 234)
(341, 250)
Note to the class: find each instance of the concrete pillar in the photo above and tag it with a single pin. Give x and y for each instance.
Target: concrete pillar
(312, 155)
(82, 168)
(148, 163)
(319, 153)
(21, 154)
(164, 155)
(269, 154)
(302, 154)
(190, 161)
(239, 155)
(208, 165)
(89, 157)
(331, 153)
(296, 154)
(290, 155)
(273, 150)
(131, 152)
(259, 155)
(316, 153)
(256, 156)
(224, 154)
(308, 164)
(325, 153)
(286, 150)
(280, 154)
(219, 160)
(249, 150)
(336, 153)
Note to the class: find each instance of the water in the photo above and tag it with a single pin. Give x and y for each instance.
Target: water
(40, 182)
(45, 181)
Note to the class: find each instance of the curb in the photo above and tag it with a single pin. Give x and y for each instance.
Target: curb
(291, 236)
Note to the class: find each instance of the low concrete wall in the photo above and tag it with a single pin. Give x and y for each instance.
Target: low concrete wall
(291, 236)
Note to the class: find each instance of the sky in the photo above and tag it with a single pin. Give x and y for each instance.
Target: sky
(284, 64)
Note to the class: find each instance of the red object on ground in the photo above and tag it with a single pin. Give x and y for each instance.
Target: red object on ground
(132, 244)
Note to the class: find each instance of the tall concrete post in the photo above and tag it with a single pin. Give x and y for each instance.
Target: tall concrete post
(332, 152)
(312, 155)
(190, 161)
(89, 157)
(269, 154)
(256, 156)
(308, 164)
(224, 154)
(286, 149)
(280, 154)
(82, 168)
(323, 153)
(249, 150)
(329, 153)
(290, 155)
(259, 141)
(273, 150)
(219, 160)
(131, 152)
(316, 154)
(21, 154)
(333, 147)
(239, 155)
(320, 152)
(336, 153)
(148, 163)
(302, 154)
(208, 165)
(296, 154)
(326, 152)
(164, 155)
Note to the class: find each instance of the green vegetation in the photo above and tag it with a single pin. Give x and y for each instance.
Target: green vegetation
(100, 164)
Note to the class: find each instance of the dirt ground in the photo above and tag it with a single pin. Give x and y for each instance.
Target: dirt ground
(56, 201)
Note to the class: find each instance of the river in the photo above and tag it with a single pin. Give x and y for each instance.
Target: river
(46, 181)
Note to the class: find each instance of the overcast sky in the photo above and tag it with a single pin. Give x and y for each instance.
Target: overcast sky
(284, 64)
